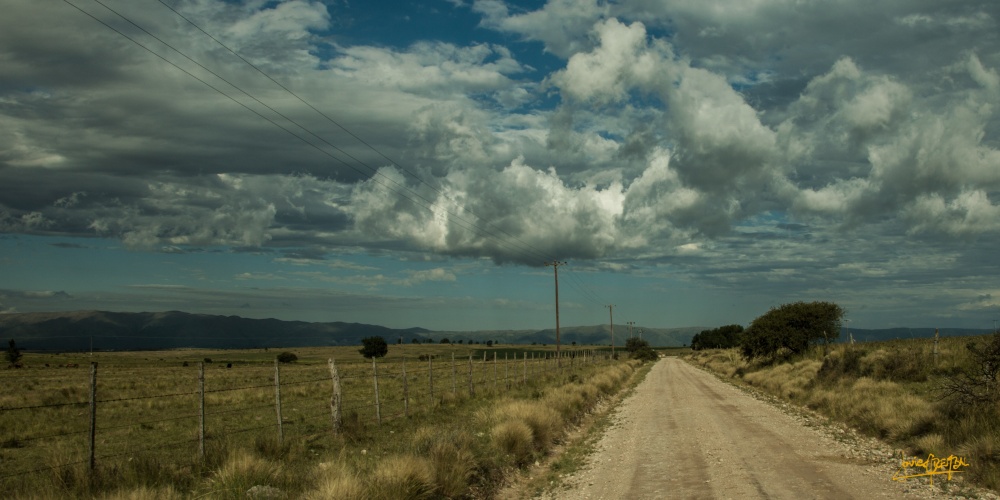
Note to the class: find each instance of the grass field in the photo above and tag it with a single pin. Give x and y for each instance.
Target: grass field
(893, 390)
(460, 429)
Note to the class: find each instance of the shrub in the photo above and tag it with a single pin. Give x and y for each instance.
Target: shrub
(13, 354)
(979, 384)
(287, 357)
(374, 347)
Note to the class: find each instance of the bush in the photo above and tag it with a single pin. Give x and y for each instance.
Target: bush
(287, 357)
(374, 347)
(790, 329)
(980, 384)
(13, 354)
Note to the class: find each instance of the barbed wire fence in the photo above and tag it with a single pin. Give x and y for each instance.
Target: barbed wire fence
(115, 423)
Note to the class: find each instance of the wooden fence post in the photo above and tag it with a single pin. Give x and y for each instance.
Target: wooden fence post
(406, 393)
(277, 399)
(472, 390)
(93, 414)
(506, 371)
(335, 399)
(201, 410)
(378, 404)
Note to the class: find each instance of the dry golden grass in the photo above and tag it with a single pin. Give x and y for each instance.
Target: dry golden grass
(147, 424)
(243, 471)
(513, 439)
(401, 476)
(336, 480)
(787, 380)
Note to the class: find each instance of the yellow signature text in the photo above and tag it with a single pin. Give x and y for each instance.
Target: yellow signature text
(930, 467)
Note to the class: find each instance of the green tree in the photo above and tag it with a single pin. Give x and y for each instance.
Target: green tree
(373, 347)
(791, 329)
(723, 337)
(640, 349)
(633, 344)
(445, 341)
(287, 357)
(13, 353)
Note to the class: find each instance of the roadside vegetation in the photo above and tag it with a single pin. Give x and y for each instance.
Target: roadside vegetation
(461, 444)
(921, 395)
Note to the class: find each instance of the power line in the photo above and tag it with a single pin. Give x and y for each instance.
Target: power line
(484, 228)
(480, 230)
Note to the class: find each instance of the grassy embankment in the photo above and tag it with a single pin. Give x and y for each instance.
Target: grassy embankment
(453, 445)
(889, 390)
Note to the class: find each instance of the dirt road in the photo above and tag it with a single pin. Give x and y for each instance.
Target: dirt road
(686, 434)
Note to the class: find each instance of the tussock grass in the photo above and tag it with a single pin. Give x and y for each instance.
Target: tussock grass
(788, 380)
(515, 440)
(336, 480)
(878, 407)
(401, 476)
(983, 453)
(452, 458)
(243, 471)
(145, 493)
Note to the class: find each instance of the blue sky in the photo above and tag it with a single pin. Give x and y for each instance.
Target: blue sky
(694, 162)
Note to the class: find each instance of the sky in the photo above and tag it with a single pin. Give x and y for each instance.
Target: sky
(692, 162)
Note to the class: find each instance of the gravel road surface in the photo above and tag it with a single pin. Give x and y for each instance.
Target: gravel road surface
(686, 434)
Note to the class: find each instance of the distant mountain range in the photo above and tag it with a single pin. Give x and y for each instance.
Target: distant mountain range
(74, 331)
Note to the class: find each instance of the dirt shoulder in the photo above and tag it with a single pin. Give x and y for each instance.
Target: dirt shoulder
(683, 433)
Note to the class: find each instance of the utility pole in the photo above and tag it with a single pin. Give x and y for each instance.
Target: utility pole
(630, 323)
(555, 268)
(611, 316)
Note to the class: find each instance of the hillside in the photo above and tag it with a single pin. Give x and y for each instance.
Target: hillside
(74, 331)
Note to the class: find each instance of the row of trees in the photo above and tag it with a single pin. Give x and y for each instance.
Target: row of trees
(446, 340)
(723, 337)
(788, 329)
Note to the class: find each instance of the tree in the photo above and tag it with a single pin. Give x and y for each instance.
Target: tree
(489, 343)
(287, 357)
(640, 349)
(13, 354)
(791, 328)
(374, 347)
(723, 337)
(445, 341)
(633, 344)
